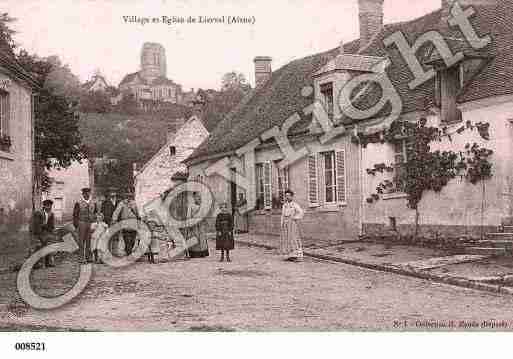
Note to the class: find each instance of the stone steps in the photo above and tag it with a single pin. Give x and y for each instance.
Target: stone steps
(496, 243)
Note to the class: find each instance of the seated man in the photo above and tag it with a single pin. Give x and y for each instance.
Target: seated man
(43, 228)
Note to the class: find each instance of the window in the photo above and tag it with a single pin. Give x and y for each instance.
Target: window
(326, 178)
(448, 84)
(402, 152)
(330, 186)
(327, 98)
(259, 174)
(263, 185)
(172, 150)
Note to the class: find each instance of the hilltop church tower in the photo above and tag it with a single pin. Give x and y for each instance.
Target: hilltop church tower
(153, 61)
(150, 86)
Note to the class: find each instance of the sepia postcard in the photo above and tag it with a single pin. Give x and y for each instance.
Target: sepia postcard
(238, 166)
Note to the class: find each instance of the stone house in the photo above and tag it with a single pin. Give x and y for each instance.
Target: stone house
(97, 83)
(330, 178)
(17, 91)
(166, 168)
(66, 187)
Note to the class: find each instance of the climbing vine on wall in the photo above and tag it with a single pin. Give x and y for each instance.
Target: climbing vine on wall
(425, 169)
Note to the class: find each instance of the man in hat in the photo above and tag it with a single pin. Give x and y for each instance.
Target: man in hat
(128, 211)
(84, 214)
(109, 206)
(43, 228)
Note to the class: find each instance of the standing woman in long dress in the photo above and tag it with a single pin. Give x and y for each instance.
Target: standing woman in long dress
(201, 248)
(290, 238)
(240, 219)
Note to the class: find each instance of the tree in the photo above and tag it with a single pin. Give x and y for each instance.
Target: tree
(426, 169)
(234, 81)
(128, 104)
(95, 101)
(57, 138)
(233, 89)
(6, 34)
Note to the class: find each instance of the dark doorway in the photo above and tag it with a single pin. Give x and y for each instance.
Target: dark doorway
(233, 192)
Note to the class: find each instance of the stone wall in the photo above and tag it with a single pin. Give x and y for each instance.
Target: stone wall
(16, 175)
(333, 222)
(431, 231)
(460, 204)
(155, 176)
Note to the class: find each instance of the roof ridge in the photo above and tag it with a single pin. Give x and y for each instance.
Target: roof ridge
(360, 55)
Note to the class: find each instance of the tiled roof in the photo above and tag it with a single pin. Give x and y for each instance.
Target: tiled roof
(269, 105)
(280, 97)
(91, 82)
(129, 78)
(495, 79)
(162, 81)
(351, 62)
(158, 81)
(9, 63)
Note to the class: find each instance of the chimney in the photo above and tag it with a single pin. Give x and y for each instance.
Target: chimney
(263, 69)
(371, 19)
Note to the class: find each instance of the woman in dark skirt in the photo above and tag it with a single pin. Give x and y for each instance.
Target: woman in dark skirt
(224, 231)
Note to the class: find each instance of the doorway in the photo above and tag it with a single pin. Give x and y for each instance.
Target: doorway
(233, 192)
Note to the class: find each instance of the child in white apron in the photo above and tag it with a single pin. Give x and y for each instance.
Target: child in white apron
(98, 228)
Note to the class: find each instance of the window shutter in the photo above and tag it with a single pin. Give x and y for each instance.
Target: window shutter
(4, 108)
(8, 114)
(275, 183)
(312, 180)
(267, 185)
(449, 89)
(285, 172)
(2, 120)
(321, 178)
(340, 160)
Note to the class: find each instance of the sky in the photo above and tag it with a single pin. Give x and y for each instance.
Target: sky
(90, 35)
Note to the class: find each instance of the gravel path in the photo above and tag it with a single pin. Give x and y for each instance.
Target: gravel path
(256, 292)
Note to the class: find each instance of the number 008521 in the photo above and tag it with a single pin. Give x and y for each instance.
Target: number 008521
(30, 346)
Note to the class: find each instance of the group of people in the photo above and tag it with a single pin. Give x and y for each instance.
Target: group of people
(91, 223)
(290, 237)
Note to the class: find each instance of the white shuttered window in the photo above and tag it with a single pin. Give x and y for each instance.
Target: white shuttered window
(340, 162)
(312, 180)
(327, 178)
(268, 194)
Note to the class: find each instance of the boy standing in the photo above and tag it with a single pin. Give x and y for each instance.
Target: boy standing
(43, 227)
(84, 214)
(224, 229)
